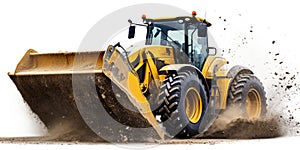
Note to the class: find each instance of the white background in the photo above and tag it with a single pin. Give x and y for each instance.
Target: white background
(51, 26)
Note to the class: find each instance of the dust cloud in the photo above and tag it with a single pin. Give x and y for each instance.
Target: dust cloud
(232, 125)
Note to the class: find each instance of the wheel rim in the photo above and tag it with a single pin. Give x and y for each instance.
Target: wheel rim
(193, 105)
(253, 103)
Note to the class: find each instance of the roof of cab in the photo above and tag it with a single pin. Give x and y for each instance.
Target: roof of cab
(178, 18)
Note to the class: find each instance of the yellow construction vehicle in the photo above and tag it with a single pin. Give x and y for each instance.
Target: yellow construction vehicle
(175, 83)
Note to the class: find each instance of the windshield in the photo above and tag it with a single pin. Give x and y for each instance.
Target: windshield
(171, 33)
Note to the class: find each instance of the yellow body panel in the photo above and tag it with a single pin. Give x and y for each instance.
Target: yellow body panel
(161, 52)
(221, 73)
(210, 63)
(223, 84)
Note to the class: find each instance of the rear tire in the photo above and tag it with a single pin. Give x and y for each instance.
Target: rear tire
(247, 93)
(184, 103)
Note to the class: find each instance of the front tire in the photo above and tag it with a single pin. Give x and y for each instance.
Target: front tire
(184, 103)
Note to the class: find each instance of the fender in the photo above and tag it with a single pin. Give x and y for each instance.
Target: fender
(235, 70)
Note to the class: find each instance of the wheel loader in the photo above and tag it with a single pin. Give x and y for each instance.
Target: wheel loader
(175, 82)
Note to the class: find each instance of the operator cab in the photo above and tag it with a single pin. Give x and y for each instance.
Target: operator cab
(187, 35)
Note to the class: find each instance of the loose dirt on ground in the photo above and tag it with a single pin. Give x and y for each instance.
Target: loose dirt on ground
(227, 127)
(230, 125)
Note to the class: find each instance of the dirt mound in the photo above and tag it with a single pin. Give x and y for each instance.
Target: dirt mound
(245, 129)
(231, 125)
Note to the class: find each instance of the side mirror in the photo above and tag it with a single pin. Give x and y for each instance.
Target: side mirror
(211, 51)
(202, 31)
(131, 32)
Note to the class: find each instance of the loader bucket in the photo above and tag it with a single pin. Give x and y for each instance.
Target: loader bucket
(69, 91)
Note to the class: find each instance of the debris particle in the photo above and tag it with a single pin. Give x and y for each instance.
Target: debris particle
(251, 30)
(287, 73)
(273, 42)
(276, 73)
(289, 86)
(280, 62)
(224, 20)
(276, 54)
(293, 77)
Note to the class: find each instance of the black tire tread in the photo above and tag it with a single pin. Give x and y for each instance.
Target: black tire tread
(235, 93)
(171, 88)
